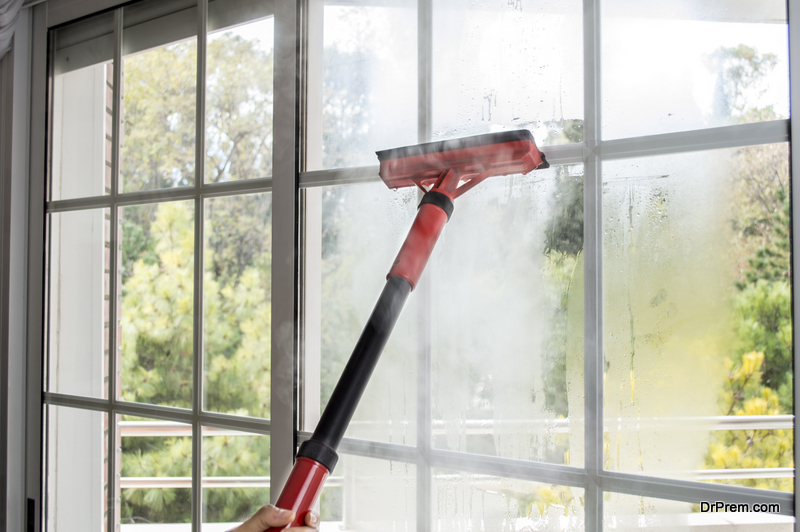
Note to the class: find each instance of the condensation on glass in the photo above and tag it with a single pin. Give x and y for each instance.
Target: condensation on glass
(82, 104)
(362, 229)
(502, 64)
(507, 320)
(236, 308)
(471, 502)
(159, 79)
(369, 494)
(369, 80)
(76, 469)
(630, 512)
(239, 71)
(236, 480)
(697, 316)
(156, 273)
(680, 66)
(78, 302)
(154, 471)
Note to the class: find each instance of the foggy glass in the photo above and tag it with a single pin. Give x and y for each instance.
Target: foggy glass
(369, 86)
(507, 319)
(469, 502)
(679, 238)
(363, 227)
(502, 64)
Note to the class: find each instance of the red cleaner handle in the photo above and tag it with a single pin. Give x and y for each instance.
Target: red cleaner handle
(317, 457)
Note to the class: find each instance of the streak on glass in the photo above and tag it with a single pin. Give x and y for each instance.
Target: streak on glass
(472, 502)
(697, 319)
(508, 64)
(507, 316)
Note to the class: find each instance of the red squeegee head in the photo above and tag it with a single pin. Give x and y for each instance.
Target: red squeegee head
(472, 159)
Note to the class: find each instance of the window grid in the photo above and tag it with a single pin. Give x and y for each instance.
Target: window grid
(592, 152)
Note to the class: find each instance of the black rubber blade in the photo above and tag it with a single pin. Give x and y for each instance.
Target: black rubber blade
(455, 144)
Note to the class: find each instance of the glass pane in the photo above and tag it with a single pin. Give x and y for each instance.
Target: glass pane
(237, 292)
(78, 302)
(369, 494)
(76, 458)
(473, 503)
(362, 229)
(156, 321)
(81, 118)
(628, 512)
(697, 316)
(508, 64)
(730, 65)
(239, 102)
(155, 467)
(158, 109)
(235, 477)
(507, 320)
(369, 87)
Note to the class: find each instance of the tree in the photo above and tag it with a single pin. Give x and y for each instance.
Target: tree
(759, 371)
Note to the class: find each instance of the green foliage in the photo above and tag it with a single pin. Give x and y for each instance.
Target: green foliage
(759, 372)
(744, 393)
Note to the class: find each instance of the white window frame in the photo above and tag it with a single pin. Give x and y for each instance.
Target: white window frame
(293, 191)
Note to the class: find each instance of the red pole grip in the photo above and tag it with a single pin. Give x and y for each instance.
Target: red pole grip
(302, 489)
(417, 248)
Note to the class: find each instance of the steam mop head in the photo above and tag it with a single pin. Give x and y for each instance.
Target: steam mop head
(481, 156)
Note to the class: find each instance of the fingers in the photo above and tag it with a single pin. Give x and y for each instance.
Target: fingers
(312, 520)
(266, 517)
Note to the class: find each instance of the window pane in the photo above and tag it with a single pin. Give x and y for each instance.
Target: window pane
(158, 109)
(507, 319)
(237, 293)
(239, 102)
(156, 321)
(471, 502)
(235, 477)
(369, 494)
(76, 469)
(155, 479)
(502, 64)
(362, 229)
(628, 512)
(369, 90)
(81, 118)
(697, 316)
(78, 302)
(730, 65)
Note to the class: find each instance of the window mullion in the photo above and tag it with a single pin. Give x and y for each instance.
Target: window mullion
(284, 246)
(113, 302)
(593, 280)
(424, 131)
(197, 359)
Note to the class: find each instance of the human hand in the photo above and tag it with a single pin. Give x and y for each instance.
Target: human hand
(269, 516)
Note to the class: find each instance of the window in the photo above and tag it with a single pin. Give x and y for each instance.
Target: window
(603, 344)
